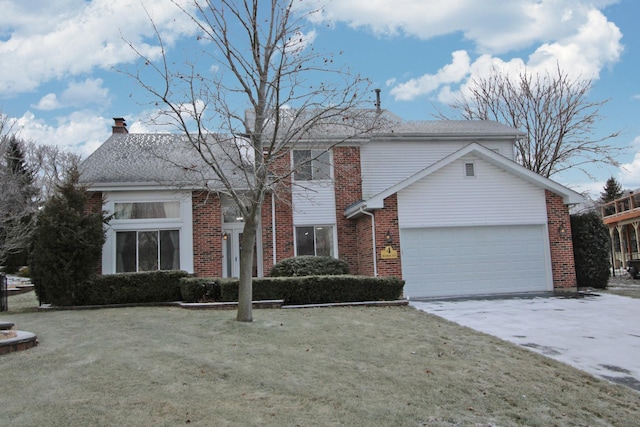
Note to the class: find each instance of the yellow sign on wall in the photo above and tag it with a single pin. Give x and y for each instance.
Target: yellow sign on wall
(388, 253)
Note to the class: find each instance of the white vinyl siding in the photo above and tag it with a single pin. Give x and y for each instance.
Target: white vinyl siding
(315, 203)
(387, 163)
(493, 197)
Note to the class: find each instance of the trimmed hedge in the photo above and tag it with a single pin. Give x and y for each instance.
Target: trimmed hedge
(199, 289)
(299, 290)
(309, 265)
(130, 288)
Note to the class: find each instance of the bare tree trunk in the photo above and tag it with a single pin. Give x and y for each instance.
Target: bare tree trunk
(245, 292)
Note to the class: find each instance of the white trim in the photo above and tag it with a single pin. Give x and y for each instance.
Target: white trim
(184, 224)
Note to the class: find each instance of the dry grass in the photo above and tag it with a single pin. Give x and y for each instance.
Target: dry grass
(309, 367)
(622, 285)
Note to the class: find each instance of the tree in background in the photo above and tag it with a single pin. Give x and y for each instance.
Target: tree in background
(552, 109)
(67, 243)
(612, 191)
(591, 250)
(260, 60)
(18, 201)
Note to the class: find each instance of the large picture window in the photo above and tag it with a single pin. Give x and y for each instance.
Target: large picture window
(314, 240)
(147, 250)
(311, 165)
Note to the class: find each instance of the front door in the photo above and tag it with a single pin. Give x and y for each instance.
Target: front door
(231, 252)
(232, 243)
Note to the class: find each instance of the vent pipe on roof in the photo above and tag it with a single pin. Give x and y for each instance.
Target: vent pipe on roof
(377, 104)
(119, 125)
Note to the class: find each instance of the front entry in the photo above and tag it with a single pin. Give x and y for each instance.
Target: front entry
(231, 252)
(231, 245)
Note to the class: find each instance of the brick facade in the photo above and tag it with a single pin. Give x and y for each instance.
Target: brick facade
(561, 244)
(95, 205)
(207, 234)
(284, 215)
(348, 189)
(387, 222)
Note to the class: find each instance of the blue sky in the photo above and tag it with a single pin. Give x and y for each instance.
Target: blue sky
(59, 84)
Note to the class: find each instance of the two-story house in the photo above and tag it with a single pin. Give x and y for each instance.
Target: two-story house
(441, 204)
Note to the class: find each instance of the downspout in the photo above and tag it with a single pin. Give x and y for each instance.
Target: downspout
(373, 236)
(273, 227)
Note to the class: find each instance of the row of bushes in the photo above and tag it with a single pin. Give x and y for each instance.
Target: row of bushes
(296, 290)
(167, 286)
(130, 288)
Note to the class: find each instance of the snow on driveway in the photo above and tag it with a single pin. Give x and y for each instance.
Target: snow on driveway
(597, 334)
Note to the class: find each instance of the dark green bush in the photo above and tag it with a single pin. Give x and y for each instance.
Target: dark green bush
(309, 265)
(67, 244)
(590, 250)
(199, 289)
(318, 289)
(131, 288)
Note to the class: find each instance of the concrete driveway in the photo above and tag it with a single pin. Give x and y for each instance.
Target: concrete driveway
(599, 334)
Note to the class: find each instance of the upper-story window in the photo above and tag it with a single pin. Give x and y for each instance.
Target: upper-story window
(311, 165)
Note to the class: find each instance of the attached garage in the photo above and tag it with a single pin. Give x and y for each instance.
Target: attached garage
(474, 223)
(454, 261)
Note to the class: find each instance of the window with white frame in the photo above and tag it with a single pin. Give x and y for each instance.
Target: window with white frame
(311, 165)
(147, 210)
(147, 250)
(314, 240)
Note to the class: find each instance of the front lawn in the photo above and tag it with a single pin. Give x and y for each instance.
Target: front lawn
(346, 366)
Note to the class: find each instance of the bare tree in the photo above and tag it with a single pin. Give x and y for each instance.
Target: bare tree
(265, 90)
(18, 203)
(50, 165)
(29, 175)
(552, 108)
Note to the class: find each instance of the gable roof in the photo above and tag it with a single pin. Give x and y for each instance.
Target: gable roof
(377, 202)
(157, 160)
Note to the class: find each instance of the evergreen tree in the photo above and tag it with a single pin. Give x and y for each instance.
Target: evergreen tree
(67, 243)
(612, 191)
(591, 250)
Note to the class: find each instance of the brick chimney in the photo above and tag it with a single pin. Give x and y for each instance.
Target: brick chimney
(119, 125)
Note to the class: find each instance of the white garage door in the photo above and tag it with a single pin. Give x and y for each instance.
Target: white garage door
(474, 260)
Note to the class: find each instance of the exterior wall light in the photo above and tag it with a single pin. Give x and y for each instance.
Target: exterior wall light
(562, 230)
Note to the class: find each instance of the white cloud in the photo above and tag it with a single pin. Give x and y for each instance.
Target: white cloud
(77, 94)
(80, 132)
(494, 26)
(42, 42)
(451, 73)
(595, 45)
(629, 173)
(48, 102)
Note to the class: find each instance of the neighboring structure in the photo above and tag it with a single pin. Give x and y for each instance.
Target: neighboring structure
(441, 204)
(622, 217)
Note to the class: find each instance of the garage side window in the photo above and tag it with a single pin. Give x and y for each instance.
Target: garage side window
(314, 240)
(147, 250)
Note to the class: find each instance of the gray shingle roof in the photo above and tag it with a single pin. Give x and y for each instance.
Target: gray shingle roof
(169, 159)
(162, 159)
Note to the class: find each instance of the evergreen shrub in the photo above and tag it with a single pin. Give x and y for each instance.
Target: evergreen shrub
(317, 289)
(590, 250)
(309, 265)
(131, 288)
